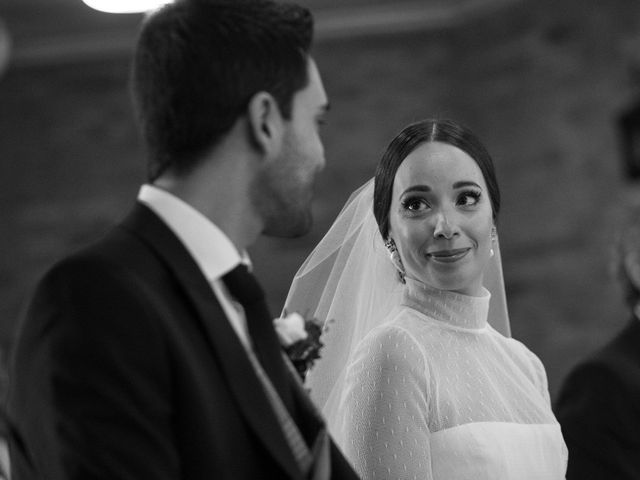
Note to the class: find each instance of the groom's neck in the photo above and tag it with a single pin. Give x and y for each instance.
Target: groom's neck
(219, 189)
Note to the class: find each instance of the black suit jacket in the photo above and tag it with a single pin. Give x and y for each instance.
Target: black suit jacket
(599, 411)
(126, 367)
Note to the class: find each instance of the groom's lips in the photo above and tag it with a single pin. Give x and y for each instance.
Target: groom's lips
(449, 256)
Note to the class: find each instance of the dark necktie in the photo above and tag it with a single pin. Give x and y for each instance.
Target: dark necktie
(247, 291)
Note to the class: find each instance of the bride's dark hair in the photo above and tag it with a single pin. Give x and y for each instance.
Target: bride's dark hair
(414, 135)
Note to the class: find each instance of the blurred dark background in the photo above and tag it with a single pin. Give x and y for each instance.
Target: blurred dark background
(541, 81)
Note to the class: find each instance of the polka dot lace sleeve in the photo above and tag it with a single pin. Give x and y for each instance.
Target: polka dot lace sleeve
(385, 408)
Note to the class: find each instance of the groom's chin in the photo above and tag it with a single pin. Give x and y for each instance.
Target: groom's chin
(294, 225)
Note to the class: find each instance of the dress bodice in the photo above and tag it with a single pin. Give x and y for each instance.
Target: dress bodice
(435, 392)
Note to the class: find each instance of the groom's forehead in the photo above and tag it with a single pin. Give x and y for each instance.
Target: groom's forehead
(312, 95)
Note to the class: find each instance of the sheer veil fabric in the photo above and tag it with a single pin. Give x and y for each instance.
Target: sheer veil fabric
(349, 283)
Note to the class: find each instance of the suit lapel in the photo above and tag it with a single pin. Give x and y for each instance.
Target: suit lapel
(310, 418)
(316, 435)
(230, 353)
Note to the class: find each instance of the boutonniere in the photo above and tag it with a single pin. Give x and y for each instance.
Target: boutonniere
(300, 339)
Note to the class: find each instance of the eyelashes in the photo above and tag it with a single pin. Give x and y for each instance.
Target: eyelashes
(415, 204)
(469, 194)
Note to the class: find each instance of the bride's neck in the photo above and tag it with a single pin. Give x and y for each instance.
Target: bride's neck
(472, 291)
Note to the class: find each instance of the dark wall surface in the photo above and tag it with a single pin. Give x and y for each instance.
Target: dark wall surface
(540, 81)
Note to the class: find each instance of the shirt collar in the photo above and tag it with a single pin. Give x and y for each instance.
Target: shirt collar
(212, 250)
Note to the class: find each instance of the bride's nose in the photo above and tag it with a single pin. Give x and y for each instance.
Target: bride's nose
(444, 227)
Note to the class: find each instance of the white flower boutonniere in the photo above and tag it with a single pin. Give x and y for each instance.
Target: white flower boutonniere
(290, 329)
(300, 339)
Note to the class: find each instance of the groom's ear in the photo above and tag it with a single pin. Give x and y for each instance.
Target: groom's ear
(266, 124)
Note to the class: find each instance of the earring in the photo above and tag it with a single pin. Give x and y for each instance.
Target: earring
(394, 255)
(493, 235)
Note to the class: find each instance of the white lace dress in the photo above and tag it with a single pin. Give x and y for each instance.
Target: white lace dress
(436, 393)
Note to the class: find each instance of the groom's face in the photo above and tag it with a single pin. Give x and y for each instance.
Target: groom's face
(286, 186)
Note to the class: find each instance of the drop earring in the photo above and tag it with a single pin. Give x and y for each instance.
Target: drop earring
(394, 256)
(493, 236)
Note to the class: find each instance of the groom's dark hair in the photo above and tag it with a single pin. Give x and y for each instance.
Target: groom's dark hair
(199, 62)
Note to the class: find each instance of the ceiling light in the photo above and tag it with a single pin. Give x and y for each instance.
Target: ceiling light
(125, 6)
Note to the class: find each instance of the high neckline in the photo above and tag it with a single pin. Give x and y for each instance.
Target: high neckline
(453, 309)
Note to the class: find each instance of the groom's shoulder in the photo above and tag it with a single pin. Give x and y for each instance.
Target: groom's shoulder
(93, 261)
(114, 252)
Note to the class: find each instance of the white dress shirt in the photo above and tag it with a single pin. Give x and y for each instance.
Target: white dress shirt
(211, 249)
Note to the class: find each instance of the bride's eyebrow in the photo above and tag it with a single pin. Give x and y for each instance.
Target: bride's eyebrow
(417, 188)
(466, 183)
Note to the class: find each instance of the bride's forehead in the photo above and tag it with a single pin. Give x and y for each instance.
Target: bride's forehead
(437, 162)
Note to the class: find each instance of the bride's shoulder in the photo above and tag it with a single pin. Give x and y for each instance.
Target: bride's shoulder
(397, 332)
(529, 362)
(390, 347)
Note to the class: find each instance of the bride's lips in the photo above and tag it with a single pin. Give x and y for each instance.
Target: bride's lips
(448, 256)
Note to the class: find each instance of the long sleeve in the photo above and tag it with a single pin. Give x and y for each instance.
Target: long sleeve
(385, 407)
(538, 373)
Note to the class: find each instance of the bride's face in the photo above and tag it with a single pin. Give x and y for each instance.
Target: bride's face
(441, 218)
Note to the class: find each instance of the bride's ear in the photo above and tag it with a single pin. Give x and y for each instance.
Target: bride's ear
(266, 124)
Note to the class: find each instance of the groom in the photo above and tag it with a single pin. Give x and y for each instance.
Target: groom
(151, 354)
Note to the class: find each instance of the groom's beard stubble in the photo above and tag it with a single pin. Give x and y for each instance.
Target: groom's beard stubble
(284, 204)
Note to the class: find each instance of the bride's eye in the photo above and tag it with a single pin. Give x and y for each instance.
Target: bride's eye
(414, 204)
(468, 198)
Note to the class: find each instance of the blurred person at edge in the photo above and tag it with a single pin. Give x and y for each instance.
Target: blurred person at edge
(151, 354)
(599, 403)
(5, 47)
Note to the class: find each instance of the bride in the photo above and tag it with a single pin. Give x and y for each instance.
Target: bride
(418, 376)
